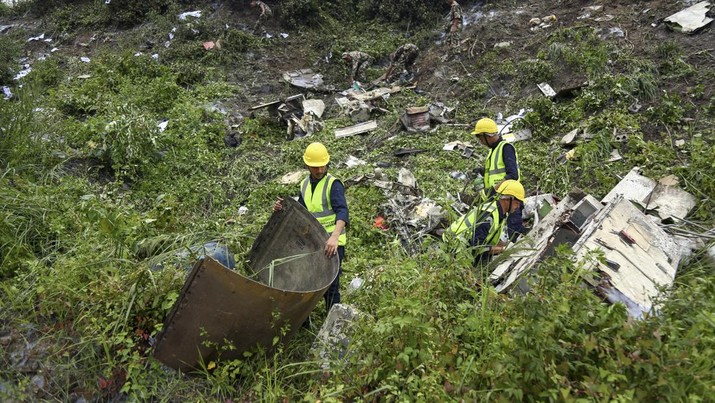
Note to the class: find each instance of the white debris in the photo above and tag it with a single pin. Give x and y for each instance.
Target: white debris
(605, 18)
(355, 283)
(53, 50)
(354, 162)
(546, 89)
(184, 16)
(162, 125)
(284, 35)
(36, 38)
(24, 72)
(292, 177)
(664, 196)
(454, 145)
(84, 59)
(458, 175)
(615, 156)
(155, 56)
(690, 20)
(242, 210)
(406, 178)
(7, 92)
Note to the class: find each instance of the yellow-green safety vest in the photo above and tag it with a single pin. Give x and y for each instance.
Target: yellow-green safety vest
(468, 222)
(321, 208)
(494, 168)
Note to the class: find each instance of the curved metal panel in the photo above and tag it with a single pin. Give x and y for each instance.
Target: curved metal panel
(218, 305)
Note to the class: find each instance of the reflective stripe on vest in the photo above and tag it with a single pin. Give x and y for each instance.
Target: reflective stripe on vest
(494, 167)
(321, 208)
(468, 222)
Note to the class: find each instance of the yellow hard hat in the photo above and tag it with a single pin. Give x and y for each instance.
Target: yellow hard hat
(512, 188)
(485, 126)
(316, 155)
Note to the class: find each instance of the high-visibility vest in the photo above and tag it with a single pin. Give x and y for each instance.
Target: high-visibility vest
(320, 207)
(494, 168)
(467, 223)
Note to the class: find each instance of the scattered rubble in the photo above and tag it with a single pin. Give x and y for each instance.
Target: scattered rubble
(356, 129)
(690, 20)
(354, 162)
(630, 273)
(638, 256)
(186, 15)
(546, 90)
(664, 198)
(300, 116)
(304, 78)
(292, 177)
(416, 119)
(332, 341)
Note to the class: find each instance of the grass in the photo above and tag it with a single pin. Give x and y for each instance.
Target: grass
(94, 196)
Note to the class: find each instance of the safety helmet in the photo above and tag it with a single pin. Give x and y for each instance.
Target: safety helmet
(316, 155)
(485, 126)
(512, 188)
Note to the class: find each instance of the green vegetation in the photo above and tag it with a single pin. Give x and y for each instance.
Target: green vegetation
(94, 194)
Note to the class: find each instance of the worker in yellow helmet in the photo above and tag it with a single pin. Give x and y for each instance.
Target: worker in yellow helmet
(482, 227)
(324, 196)
(500, 165)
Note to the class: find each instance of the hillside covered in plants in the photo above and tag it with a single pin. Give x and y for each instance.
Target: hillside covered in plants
(128, 136)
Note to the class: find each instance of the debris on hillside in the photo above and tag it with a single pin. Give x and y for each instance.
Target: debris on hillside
(292, 177)
(359, 104)
(299, 115)
(419, 118)
(218, 305)
(356, 129)
(629, 272)
(332, 341)
(690, 20)
(306, 79)
(639, 256)
(504, 125)
(575, 136)
(664, 198)
(546, 90)
(416, 119)
(186, 15)
(537, 23)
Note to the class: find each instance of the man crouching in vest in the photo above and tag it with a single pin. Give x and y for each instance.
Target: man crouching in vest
(501, 164)
(483, 225)
(324, 196)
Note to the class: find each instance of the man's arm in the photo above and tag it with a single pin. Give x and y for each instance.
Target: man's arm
(510, 164)
(340, 207)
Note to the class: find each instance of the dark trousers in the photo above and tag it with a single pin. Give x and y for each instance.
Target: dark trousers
(332, 296)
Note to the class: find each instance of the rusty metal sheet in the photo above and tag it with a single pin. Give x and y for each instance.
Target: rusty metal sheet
(218, 305)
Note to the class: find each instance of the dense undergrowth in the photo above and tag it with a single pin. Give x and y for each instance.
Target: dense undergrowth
(94, 192)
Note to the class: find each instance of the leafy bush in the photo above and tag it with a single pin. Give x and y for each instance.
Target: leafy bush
(297, 13)
(127, 13)
(127, 139)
